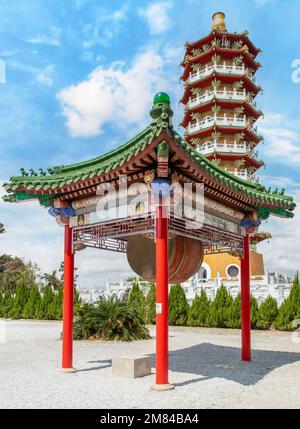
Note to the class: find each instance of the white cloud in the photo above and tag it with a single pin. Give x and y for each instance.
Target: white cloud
(46, 76)
(51, 39)
(157, 16)
(282, 144)
(30, 233)
(114, 94)
(8, 53)
(280, 182)
(105, 27)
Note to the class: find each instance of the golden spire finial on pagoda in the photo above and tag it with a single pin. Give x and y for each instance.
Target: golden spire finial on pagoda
(219, 21)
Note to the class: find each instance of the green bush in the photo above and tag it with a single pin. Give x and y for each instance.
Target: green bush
(267, 313)
(178, 306)
(20, 295)
(44, 310)
(110, 319)
(290, 308)
(7, 303)
(254, 312)
(136, 299)
(219, 309)
(150, 306)
(234, 313)
(19, 302)
(199, 310)
(32, 304)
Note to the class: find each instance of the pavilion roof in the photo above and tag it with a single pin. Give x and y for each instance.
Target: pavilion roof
(138, 154)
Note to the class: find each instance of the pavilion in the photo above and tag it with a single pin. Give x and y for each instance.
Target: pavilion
(233, 208)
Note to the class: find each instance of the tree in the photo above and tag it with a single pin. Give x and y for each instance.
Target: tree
(45, 310)
(136, 299)
(7, 303)
(219, 309)
(62, 270)
(290, 308)
(19, 302)
(150, 307)
(234, 313)
(267, 313)
(178, 306)
(33, 303)
(20, 295)
(199, 310)
(51, 280)
(13, 272)
(254, 311)
(2, 229)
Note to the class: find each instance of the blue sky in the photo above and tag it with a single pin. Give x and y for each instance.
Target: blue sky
(80, 77)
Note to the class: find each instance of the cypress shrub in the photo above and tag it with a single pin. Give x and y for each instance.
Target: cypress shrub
(199, 310)
(7, 304)
(151, 305)
(219, 309)
(267, 313)
(290, 308)
(1, 302)
(178, 306)
(136, 299)
(254, 312)
(19, 302)
(32, 304)
(53, 310)
(234, 313)
(45, 309)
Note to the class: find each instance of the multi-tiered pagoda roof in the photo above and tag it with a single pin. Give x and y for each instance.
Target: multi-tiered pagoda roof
(220, 111)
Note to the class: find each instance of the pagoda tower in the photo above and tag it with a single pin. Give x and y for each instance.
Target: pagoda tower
(220, 113)
(219, 99)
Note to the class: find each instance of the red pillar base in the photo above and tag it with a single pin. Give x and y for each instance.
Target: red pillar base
(246, 301)
(162, 387)
(68, 370)
(68, 303)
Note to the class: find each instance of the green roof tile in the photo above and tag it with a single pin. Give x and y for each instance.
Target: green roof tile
(66, 175)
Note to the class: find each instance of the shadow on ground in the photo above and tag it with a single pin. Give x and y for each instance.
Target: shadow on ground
(104, 364)
(215, 361)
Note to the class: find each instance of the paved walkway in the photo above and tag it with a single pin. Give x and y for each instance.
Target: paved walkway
(205, 368)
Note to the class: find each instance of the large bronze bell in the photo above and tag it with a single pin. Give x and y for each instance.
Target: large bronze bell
(185, 257)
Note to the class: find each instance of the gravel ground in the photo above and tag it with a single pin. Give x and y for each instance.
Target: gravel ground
(205, 368)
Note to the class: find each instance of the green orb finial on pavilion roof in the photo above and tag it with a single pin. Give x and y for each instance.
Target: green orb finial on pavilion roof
(162, 98)
(162, 108)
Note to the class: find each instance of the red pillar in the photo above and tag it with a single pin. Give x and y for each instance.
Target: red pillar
(245, 298)
(162, 313)
(68, 301)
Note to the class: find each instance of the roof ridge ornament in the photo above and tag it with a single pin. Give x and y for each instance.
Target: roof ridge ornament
(218, 23)
(162, 112)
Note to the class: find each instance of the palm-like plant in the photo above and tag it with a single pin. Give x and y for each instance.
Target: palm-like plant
(110, 319)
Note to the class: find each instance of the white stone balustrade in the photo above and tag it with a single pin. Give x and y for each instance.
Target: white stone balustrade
(209, 121)
(261, 287)
(223, 94)
(243, 174)
(225, 146)
(220, 68)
